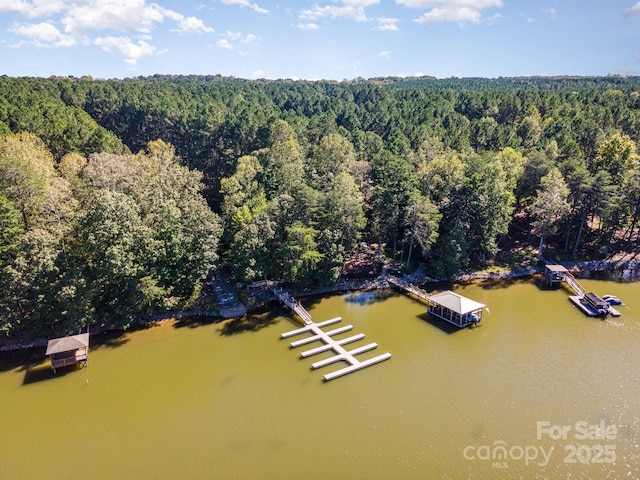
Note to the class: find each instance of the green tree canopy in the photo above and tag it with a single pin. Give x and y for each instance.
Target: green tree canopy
(550, 205)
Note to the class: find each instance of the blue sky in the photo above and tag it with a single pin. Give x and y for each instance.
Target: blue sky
(321, 39)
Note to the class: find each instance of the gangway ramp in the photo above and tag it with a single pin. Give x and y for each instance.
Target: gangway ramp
(294, 305)
(574, 284)
(408, 287)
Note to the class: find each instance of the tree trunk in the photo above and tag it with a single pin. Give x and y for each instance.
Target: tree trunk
(566, 237)
(395, 248)
(540, 247)
(410, 249)
(582, 222)
(632, 227)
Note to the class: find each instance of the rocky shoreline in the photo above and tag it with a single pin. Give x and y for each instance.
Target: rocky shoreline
(625, 271)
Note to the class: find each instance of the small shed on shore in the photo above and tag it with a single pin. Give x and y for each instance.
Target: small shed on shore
(456, 309)
(555, 273)
(68, 350)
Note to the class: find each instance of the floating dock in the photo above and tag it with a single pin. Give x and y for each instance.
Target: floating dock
(589, 303)
(589, 310)
(329, 343)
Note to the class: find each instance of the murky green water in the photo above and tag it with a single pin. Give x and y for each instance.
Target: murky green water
(187, 402)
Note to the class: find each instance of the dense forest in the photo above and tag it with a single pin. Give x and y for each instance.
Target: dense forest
(118, 197)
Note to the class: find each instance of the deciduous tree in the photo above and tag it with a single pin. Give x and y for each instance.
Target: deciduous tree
(550, 205)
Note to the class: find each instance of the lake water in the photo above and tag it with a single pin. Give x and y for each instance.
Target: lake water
(538, 391)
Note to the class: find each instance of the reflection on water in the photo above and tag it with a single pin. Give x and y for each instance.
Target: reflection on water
(234, 401)
(365, 298)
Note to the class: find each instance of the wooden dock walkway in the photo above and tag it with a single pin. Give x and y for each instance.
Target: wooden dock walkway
(294, 305)
(408, 287)
(329, 343)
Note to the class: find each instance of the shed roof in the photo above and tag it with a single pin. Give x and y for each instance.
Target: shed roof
(66, 344)
(455, 302)
(556, 268)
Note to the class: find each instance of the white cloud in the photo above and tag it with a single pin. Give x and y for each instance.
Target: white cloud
(71, 22)
(460, 11)
(551, 12)
(257, 74)
(233, 35)
(387, 24)
(246, 3)
(16, 6)
(42, 34)
(249, 39)
(386, 54)
(635, 10)
(193, 25)
(224, 43)
(348, 9)
(33, 8)
(131, 51)
(113, 15)
(307, 26)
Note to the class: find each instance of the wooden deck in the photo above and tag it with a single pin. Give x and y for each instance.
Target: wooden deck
(65, 359)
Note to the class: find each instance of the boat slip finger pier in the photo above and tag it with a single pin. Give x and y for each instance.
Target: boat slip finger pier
(317, 334)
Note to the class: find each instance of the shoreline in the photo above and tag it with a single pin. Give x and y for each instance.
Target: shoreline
(625, 271)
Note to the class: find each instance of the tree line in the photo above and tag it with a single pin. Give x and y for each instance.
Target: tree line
(117, 197)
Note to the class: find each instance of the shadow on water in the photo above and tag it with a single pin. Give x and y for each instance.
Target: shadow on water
(498, 283)
(249, 323)
(29, 359)
(195, 321)
(44, 372)
(108, 340)
(309, 301)
(440, 324)
(21, 359)
(359, 297)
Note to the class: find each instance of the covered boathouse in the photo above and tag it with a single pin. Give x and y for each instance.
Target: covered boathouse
(456, 309)
(68, 350)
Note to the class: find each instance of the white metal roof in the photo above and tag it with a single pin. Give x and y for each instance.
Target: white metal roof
(455, 302)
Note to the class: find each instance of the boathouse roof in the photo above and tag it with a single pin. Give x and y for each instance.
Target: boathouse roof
(455, 302)
(67, 344)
